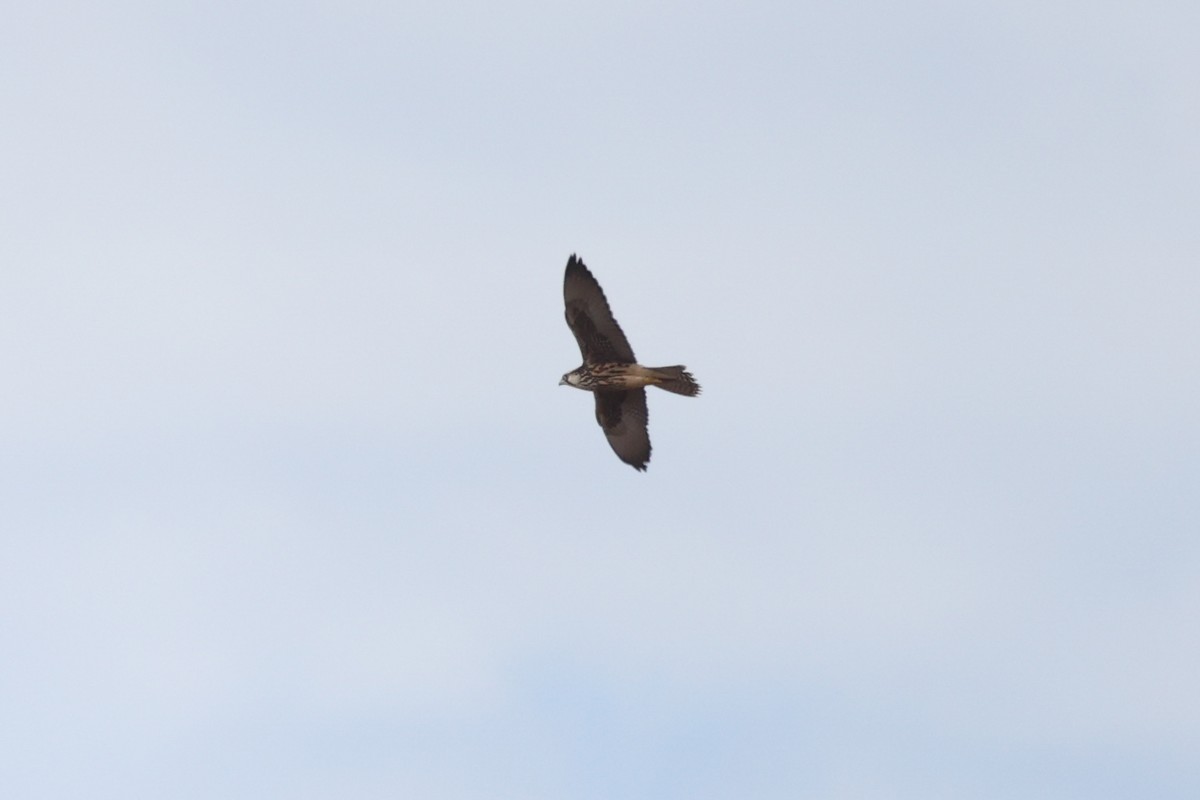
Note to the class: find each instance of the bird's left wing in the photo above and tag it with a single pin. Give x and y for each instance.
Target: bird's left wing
(599, 336)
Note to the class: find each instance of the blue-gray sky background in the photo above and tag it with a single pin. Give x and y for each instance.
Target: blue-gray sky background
(292, 505)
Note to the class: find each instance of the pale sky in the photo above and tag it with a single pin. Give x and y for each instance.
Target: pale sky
(292, 505)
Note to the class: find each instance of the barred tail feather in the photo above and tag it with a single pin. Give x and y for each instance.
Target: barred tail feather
(676, 379)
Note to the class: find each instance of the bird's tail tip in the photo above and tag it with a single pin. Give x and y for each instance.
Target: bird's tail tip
(676, 379)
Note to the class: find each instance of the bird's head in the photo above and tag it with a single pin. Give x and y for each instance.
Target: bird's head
(570, 379)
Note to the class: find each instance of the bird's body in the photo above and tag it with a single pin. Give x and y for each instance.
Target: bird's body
(610, 371)
(614, 376)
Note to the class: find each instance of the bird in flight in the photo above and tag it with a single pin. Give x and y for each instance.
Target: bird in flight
(611, 372)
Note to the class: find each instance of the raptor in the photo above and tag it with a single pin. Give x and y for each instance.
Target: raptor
(611, 372)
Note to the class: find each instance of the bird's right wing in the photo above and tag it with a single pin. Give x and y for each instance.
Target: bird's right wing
(624, 418)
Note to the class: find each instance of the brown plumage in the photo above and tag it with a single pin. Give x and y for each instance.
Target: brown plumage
(610, 371)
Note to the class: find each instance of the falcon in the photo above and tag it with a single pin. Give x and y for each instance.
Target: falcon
(611, 372)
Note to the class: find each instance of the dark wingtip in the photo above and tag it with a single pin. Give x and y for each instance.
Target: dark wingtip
(576, 269)
(575, 262)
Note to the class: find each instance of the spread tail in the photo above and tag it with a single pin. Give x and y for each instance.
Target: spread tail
(676, 379)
